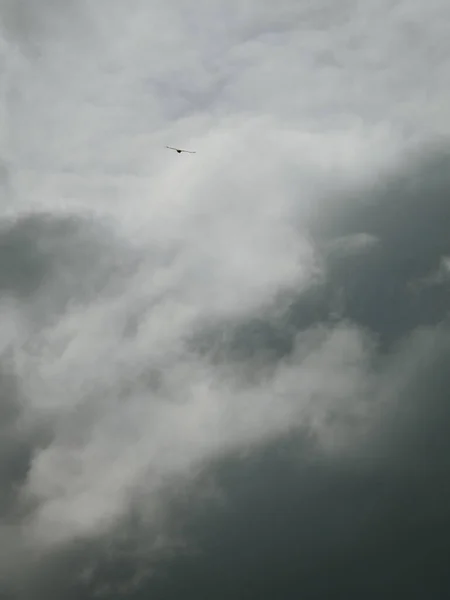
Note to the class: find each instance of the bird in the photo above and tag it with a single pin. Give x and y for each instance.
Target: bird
(179, 150)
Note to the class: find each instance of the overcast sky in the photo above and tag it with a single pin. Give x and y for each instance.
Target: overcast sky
(224, 374)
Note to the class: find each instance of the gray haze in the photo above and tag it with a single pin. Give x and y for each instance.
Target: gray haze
(224, 374)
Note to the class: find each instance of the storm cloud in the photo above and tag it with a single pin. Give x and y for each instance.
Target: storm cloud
(224, 374)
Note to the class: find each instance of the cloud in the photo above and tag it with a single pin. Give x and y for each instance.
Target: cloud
(227, 362)
(125, 426)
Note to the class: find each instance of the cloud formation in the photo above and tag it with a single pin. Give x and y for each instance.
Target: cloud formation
(225, 373)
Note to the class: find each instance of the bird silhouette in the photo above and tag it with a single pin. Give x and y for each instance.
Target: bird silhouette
(179, 150)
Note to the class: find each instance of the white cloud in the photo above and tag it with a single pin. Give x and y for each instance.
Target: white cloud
(112, 440)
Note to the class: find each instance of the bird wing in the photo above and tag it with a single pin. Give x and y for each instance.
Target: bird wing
(180, 150)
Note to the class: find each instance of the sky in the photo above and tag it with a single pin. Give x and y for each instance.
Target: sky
(224, 374)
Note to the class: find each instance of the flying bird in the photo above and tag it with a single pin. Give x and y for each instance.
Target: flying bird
(179, 150)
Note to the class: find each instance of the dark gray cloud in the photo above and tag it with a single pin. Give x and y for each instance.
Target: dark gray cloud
(295, 523)
(50, 261)
(288, 519)
(377, 251)
(225, 375)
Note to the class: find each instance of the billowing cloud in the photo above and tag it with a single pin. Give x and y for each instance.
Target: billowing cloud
(223, 373)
